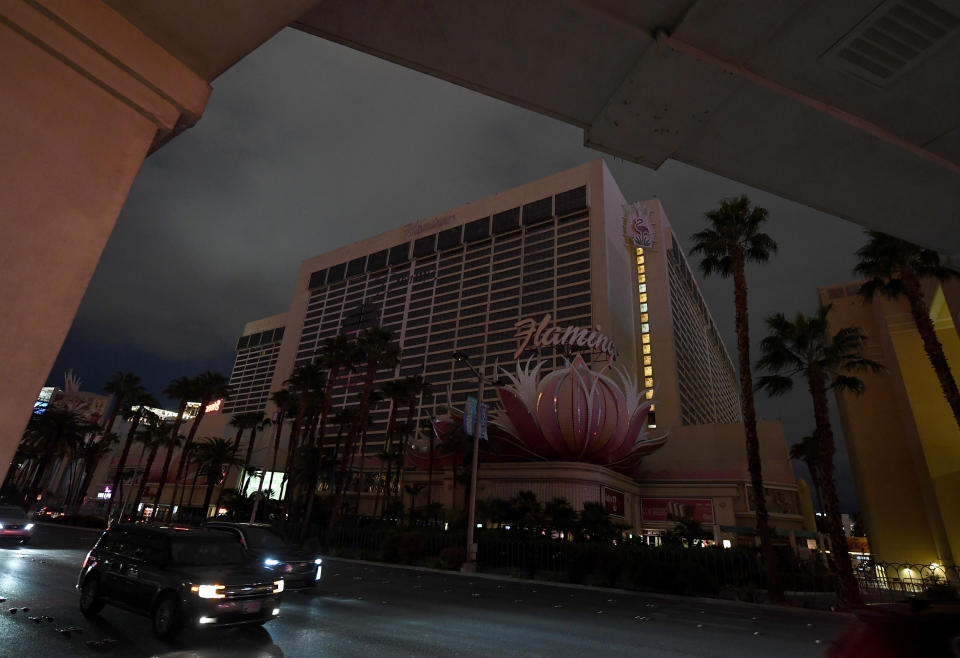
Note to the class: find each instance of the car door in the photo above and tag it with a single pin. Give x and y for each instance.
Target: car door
(145, 577)
(111, 563)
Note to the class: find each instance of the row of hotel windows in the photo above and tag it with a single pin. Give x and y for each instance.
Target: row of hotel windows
(508, 221)
(463, 305)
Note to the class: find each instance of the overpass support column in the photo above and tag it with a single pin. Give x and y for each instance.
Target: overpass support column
(84, 96)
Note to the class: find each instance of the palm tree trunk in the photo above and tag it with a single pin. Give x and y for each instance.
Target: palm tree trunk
(774, 585)
(204, 401)
(193, 487)
(276, 450)
(849, 590)
(167, 459)
(123, 461)
(358, 422)
(430, 474)
(363, 442)
(249, 456)
(146, 476)
(931, 344)
(293, 444)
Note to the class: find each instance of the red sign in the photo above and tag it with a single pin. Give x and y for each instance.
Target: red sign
(612, 501)
(213, 406)
(660, 510)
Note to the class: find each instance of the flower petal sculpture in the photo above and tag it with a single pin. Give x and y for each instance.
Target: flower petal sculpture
(573, 414)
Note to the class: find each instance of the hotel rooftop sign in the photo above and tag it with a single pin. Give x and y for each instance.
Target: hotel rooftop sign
(531, 333)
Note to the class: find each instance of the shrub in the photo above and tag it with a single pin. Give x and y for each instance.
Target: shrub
(453, 556)
(579, 563)
(411, 547)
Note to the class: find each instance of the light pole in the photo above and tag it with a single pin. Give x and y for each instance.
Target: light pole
(470, 565)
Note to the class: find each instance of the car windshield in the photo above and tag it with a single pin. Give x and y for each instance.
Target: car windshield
(206, 553)
(12, 512)
(263, 538)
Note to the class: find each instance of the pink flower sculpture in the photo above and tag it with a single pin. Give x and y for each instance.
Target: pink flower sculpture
(573, 414)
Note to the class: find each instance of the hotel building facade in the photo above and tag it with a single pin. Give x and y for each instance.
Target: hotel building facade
(902, 438)
(552, 253)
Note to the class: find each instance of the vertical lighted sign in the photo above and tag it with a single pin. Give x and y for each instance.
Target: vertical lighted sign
(470, 415)
(639, 235)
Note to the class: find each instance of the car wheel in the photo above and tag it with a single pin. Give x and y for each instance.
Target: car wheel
(90, 600)
(166, 618)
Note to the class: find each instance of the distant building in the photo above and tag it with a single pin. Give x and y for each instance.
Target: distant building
(902, 438)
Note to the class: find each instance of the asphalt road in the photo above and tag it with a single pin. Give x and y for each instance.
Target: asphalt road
(361, 609)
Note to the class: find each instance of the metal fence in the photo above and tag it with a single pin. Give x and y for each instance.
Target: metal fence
(635, 565)
(893, 581)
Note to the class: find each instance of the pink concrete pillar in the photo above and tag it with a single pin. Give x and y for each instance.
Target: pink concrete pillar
(83, 96)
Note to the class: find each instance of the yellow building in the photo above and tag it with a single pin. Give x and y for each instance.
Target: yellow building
(903, 441)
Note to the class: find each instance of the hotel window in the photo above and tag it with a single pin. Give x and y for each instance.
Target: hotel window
(645, 338)
(645, 328)
(646, 360)
(643, 308)
(648, 371)
(643, 298)
(648, 382)
(643, 287)
(644, 317)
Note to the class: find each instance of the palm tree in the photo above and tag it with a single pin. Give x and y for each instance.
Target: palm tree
(414, 491)
(95, 446)
(803, 348)
(215, 457)
(55, 432)
(155, 435)
(210, 386)
(305, 382)
(416, 387)
(733, 239)
(136, 412)
(258, 422)
(182, 389)
(121, 386)
(284, 401)
(380, 350)
(334, 355)
(894, 267)
(808, 451)
(398, 392)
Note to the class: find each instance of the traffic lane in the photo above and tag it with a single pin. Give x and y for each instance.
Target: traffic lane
(479, 616)
(39, 613)
(364, 609)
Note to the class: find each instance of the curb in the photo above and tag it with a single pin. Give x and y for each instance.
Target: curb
(68, 527)
(591, 588)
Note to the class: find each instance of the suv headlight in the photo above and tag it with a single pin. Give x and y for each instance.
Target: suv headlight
(270, 562)
(209, 591)
(29, 526)
(278, 586)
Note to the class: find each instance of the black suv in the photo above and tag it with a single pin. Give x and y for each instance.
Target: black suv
(299, 569)
(178, 576)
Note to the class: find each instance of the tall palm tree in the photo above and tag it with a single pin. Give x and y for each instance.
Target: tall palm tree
(808, 451)
(335, 355)
(417, 387)
(258, 421)
(122, 385)
(894, 267)
(398, 392)
(284, 401)
(306, 381)
(94, 448)
(733, 239)
(803, 348)
(210, 386)
(182, 389)
(215, 457)
(136, 412)
(154, 436)
(379, 350)
(56, 432)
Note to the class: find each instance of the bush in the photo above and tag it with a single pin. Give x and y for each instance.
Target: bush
(452, 557)
(579, 563)
(403, 547)
(684, 578)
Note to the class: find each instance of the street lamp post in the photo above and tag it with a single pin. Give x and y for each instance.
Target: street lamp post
(470, 565)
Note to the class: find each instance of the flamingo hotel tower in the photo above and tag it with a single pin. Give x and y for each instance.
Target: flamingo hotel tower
(554, 269)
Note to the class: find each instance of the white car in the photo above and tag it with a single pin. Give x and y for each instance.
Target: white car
(14, 525)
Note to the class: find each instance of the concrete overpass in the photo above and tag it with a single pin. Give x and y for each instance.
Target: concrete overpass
(852, 108)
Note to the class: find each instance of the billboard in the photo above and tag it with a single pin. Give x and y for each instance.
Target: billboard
(613, 501)
(662, 510)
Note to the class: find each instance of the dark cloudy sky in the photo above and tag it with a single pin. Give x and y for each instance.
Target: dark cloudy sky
(307, 145)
